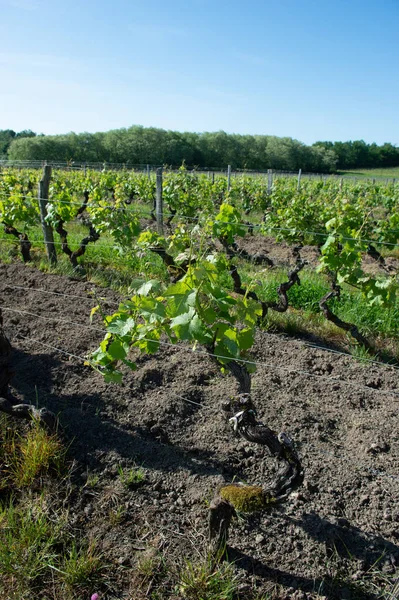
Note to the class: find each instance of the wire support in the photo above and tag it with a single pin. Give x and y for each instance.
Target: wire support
(260, 332)
(187, 219)
(222, 358)
(42, 291)
(372, 470)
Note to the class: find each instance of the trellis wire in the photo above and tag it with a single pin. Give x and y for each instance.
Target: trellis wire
(243, 224)
(222, 357)
(260, 332)
(375, 472)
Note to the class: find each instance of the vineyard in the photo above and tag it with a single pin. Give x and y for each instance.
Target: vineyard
(222, 357)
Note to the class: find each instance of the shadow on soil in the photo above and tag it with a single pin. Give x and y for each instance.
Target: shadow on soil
(87, 420)
(344, 545)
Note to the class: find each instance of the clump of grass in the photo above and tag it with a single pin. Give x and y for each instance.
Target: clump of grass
(81, 569)
(116, 515)
(92, 480)
(37, 452)
(150, 565)
(204, 580)
(28, 541)
(150, 576)
(131, 477)
(26, 454)
(37, 552)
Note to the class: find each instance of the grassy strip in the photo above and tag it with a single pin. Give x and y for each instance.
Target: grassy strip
(39, 552)
(104, 263)
(304, 316)
(387, 172)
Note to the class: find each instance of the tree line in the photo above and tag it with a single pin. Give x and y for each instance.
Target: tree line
(149, 145)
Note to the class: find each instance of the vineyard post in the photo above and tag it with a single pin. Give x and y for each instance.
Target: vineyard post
(213, 177)
(148, 172)
(158, 202)
(299, 179)
(228, 177)
(269, 180)
(47, 229)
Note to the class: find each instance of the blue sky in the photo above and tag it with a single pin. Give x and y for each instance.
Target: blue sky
(311, 70)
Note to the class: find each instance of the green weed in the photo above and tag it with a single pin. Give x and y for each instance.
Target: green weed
(82, 567)
(205, 581)
(28, 547)
(131, 477)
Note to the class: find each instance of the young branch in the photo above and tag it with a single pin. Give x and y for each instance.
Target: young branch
(282, 304)
(176, 271)
(258, 258)
(330, 316)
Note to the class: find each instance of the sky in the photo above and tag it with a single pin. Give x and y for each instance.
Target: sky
(311, 70)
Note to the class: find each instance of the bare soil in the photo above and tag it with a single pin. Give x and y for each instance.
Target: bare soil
(339, 530)
(281, 255)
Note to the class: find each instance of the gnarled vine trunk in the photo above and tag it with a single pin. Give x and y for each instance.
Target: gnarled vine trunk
(250, 498)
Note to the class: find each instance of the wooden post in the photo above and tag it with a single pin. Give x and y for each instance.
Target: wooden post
(158, 202)
(299, 180)
(269, 180)
(47, 229)
(148, 172)
(228, 177)
(213, 177)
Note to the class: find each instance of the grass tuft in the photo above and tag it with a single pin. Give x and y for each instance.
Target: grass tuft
(28, 541)
(37, 452)
(205, 581)
(82, 567)
(131, 478)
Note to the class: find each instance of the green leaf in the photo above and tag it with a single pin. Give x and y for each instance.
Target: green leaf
(188, 326)
(111, 376)
(245, 338)
(123, 325)
(150, 286)
(117, 350)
